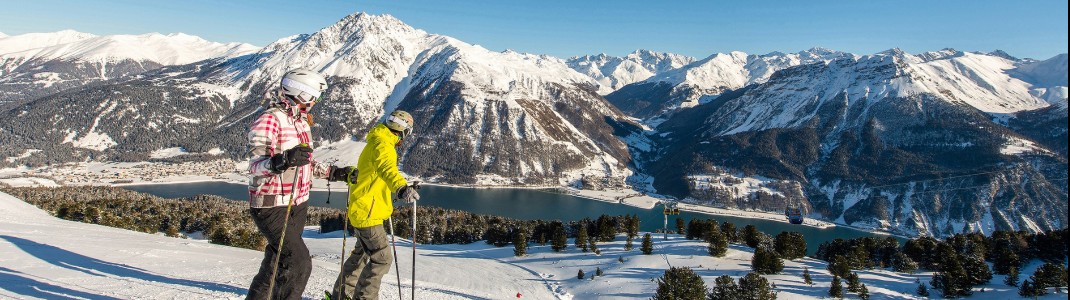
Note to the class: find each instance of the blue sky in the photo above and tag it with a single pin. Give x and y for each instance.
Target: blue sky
(1036, 29)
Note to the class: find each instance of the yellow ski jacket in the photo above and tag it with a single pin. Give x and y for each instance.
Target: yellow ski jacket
(370, 200)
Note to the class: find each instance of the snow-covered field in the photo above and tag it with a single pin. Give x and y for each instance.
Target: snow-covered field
(46, 257)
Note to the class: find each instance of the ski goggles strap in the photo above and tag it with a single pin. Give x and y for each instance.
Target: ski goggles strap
(400, 121)
(302, 87)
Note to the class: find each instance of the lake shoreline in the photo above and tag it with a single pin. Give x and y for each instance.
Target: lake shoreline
(625, 197)
(601, 196)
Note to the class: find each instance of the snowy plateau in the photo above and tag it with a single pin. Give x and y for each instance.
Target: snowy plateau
(932, 143)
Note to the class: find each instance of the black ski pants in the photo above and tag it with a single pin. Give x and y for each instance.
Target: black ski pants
(295, 264)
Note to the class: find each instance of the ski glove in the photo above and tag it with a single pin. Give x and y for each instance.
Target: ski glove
(345, 174)
(407, 194)
(295, 157)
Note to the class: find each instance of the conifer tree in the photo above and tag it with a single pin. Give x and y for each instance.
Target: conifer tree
(598, 271)
(648, 245)
(580, 274)
(1048, 275)
(628, 244)
(680, 283)
(863, 292)
(790, 245)
(620, 259)
(693, 229)
(903, 263)
(581, 237)
(922, 290)
(953, 280)
(853, 285)
(766, 261)
(679, 226)
(172, 230)
(1029, 290)
(520, 243)
(806, 277)
(560, 240)
(607, 230)
(542, 239)
(977, 271)
(1004, 258)
(724, 288)
(730, 233)
(633, 225)
(754, 286)
(836, 289)
(717, 245)
(1012, 277)
(752, 236)
(593, 245)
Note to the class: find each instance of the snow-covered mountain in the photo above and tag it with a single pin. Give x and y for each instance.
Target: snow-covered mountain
(22, 42)
(170, 49)
(865, 140)
(38, 64)
(501, 117)
(1048, 78)
(612, 72)
(703, 80)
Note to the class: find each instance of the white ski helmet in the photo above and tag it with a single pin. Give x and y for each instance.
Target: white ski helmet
(400, 121)
(303, 86)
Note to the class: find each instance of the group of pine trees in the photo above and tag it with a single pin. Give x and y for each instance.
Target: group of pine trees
(769, 251)
(447, 226)
(684, 283)
(960, 262)
(220, 220)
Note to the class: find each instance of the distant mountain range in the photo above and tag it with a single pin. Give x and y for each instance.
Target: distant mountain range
(933, 143)
(930, 143)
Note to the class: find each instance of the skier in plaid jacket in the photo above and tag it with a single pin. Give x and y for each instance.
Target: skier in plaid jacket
(280, 178)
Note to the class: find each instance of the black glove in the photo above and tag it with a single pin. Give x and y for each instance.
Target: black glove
(295, 157)
(346, 174)
(407, 194)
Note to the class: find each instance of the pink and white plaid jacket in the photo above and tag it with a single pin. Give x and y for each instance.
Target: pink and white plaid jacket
(276, 131)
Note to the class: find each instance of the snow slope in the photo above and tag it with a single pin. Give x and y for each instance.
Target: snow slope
(51, 258)
(169, 49)
(16, 43)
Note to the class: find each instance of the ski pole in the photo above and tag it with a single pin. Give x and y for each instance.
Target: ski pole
(282, 237)
(345, 233)
(415, 185)
(394, 246)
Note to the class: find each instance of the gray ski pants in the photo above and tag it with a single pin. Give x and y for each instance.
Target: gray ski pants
(295, 264)
(364, 269)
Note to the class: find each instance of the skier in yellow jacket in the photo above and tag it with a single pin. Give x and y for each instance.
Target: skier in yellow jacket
(370, 203)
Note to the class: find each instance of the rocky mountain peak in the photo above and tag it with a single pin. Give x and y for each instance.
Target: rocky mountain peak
(1003, 54)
